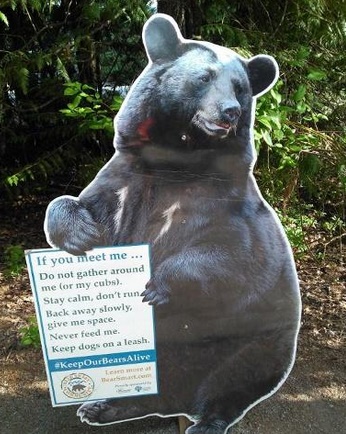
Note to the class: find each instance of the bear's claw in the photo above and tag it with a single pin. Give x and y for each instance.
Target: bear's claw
(155, 295)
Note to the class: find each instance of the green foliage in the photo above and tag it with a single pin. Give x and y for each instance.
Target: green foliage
(334, 226)
(90, 108)
(14, 260)
(310, 230)
(287, 136)
(43, 46)
(298, 223)
(30, 334)
(40, 171)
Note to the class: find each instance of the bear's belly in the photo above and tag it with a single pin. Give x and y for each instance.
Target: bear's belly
(177, 221)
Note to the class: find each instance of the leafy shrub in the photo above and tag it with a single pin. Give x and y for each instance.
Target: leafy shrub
(92, 111)
(14, 260)
(30, 335)
(294, 154)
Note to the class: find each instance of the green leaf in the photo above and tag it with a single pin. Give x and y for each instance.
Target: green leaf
(266, 137)
(279, 135)
(317, 75)
(300, 93)
(301, 107)
(264, 121)
(67, 112)
(3, 18)
(72, 88)
(303, 53)
(275, 120)
(295, 148)
(61, 69)
(276, 95)
(116, 103)
(26, 341)
(87, 87)
(40, 61)
(22, 76)
(76, 101)
(13, 180)
(85, 110)
(287, 161)
(69, 91)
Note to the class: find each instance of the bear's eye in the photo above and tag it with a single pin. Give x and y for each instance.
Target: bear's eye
(238, 88)
(205, 78)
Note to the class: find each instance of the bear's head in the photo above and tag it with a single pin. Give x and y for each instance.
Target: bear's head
(192, 95)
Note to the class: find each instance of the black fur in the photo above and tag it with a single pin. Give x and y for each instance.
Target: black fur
(224, 285)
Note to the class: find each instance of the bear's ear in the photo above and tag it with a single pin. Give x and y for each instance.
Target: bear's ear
(162, 38)
(263, 73)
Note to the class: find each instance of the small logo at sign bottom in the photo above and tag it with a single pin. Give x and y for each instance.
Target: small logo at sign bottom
(77, 386)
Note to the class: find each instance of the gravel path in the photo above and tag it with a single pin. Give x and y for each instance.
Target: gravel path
(313, 400)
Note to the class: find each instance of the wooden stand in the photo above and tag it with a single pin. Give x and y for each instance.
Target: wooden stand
(184, 423)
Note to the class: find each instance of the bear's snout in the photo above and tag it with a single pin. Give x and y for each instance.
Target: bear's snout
(231, 113)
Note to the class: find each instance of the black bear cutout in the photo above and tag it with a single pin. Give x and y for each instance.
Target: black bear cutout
(224, 285)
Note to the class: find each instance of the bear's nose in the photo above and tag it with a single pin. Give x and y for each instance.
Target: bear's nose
(232, 112)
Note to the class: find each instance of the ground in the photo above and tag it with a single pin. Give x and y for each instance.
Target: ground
(313, 400)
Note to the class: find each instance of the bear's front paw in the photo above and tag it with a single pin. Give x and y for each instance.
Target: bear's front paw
(156, 293)
(70, 227)
(97, 413)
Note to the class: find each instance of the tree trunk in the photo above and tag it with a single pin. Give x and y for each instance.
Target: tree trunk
(184, 423)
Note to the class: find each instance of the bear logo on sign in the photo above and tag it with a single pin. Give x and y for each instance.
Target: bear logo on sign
(224, 285)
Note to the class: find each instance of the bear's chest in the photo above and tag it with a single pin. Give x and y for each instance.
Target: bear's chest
(166, 212)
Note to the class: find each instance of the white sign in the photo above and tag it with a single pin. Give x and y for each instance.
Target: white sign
(97, 335)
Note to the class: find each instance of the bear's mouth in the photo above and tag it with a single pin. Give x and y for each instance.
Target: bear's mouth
(220, 129)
